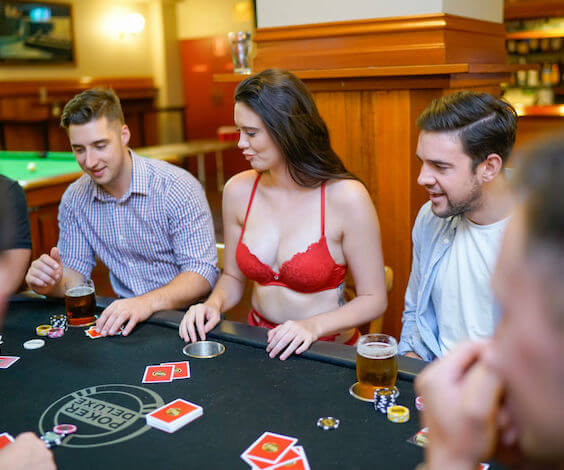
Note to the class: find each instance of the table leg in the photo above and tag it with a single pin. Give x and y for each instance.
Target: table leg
(219, 170)
(202, 169)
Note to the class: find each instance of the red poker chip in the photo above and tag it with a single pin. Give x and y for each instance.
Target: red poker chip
(419, 403)
(56, 332)
(65, 429)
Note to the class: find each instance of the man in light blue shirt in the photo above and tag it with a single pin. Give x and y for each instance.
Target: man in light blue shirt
(463, 146)
(146, 220)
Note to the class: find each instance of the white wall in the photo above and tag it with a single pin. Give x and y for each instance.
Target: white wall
(100, 52)
(272, 13)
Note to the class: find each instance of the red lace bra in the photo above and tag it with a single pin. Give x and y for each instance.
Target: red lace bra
(313, 270)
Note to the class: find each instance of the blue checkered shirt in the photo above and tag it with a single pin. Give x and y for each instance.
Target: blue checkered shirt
(161, 227)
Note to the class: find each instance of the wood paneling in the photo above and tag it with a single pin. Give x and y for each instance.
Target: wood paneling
(522, 9)
(420, 39)
(30, 110)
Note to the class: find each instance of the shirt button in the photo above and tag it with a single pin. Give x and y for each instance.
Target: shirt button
(276, 277)
(445, 240)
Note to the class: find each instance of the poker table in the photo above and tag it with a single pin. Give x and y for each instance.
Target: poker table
(97, 385)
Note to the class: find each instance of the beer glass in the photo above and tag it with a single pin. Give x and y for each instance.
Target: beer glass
(376, 364)
(80, 302)
(240, 47)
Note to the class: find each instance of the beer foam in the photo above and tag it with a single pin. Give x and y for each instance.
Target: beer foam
(377, 350)
(79, 291)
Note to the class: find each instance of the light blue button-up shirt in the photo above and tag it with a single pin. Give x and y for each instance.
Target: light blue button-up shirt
(161, 227)
(432, 237)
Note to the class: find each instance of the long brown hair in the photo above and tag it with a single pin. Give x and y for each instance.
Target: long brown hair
(291, 118)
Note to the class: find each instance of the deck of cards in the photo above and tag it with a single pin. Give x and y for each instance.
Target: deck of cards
(166, 372)
(274, 451)
(174, 415)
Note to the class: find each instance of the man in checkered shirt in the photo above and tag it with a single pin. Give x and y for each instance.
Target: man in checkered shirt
(148, 221)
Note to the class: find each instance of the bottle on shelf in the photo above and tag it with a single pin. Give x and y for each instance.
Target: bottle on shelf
(546, 74)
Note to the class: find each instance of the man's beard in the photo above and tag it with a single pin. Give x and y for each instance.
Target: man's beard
(470, 203)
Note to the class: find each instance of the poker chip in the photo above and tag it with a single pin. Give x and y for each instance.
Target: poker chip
(419, 403)
(34, 344)
(65, 429)
(58, 321)
(384, 398)
(43, 330)
(56, 332)
(51, 439)
(398, 414)
(328, 423)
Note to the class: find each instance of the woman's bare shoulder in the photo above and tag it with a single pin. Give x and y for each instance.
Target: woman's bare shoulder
(240, 185)
(347, 194)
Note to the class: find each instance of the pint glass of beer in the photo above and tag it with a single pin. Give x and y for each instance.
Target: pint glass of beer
(376, 364)
(80, 302)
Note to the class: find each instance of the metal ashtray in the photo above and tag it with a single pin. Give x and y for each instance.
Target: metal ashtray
(204, 349)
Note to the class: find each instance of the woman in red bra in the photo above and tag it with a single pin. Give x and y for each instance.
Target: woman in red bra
(293, 224)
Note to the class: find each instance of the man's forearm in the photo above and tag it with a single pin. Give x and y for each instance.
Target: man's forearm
(183, 290)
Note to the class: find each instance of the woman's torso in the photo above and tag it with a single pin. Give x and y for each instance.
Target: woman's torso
(280, 228)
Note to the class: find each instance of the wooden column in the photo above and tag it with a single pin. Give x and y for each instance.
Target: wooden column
(371, 79)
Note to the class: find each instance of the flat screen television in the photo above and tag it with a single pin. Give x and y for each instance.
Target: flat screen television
(36, 32)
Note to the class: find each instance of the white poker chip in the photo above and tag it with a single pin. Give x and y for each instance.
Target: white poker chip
(34, 344)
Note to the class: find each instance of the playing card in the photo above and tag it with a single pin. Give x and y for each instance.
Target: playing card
(174, 415)
(157, 374)
(421, 438)
(7, 361)
(93, 333)
(5, 439)
(287, 458)
(301, 463)
(269, 447)
(181, 369)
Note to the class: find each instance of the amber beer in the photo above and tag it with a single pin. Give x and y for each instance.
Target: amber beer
(376, 363)
(80, 302)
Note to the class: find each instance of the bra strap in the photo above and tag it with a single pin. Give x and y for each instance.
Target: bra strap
(250, 202)
(323, 209)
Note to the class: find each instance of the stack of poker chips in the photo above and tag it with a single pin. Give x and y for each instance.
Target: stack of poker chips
(384, 398)
(58, 321)
(398, 414)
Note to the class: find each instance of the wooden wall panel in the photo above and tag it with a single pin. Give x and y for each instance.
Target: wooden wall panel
(209, 105)
(418, 39)
(374, 133)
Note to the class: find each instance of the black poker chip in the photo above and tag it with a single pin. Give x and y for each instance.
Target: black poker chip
(328, 423)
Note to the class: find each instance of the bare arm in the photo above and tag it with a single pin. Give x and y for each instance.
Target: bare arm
(183, 289)
(14, 266)
(231, 284)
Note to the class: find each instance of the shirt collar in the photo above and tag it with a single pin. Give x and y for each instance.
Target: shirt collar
(139, 183)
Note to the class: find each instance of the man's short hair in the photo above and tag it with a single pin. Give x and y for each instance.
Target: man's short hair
(91, 105)
(539, 179)
(484, 123)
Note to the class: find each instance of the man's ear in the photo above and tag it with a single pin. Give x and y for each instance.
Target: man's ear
(125, 135)
(490, 168)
